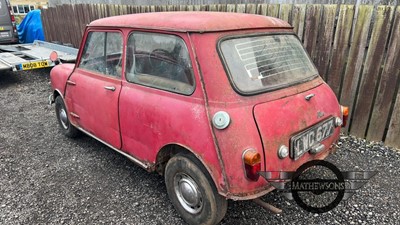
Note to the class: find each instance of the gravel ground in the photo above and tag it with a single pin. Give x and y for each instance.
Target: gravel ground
(47, 178)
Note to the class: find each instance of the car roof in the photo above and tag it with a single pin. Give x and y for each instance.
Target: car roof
(192, 21)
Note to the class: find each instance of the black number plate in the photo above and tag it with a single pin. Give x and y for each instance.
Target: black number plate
(304, 141)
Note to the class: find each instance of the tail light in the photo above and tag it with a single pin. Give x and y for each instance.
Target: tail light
(12, 17)
(252, 164)
(345, 114)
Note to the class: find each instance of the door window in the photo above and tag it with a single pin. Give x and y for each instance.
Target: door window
(161, 61)
(103, 53)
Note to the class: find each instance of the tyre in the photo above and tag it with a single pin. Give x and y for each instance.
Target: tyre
(192, 191)
(62, 117)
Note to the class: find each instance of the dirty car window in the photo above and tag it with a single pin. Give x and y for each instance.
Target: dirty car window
(159, 60)
(103, 53)
(269, 62)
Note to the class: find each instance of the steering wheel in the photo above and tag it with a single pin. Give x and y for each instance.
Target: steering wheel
(162, 55)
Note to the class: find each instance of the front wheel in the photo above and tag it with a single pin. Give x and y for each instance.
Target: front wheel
(62, 117)
(192, 192)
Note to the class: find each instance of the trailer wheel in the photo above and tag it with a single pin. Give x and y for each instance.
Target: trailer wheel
(62, 117)
(192, 192)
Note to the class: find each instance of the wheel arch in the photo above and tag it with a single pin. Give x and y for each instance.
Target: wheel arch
(170, 150)
(57, 93)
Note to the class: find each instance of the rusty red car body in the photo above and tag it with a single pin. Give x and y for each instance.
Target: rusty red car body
(152, 125)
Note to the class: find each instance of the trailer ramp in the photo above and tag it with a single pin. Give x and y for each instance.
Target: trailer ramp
(33, 56)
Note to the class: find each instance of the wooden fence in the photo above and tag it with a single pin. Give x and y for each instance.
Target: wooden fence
(355, 48)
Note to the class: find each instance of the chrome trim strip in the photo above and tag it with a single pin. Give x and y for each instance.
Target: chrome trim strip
(74, 115)
(133, 159)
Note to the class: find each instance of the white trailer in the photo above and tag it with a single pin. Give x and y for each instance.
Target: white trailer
(33, 56)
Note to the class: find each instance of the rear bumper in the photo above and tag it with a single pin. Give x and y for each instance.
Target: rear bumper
(9, 41)
(268, 188)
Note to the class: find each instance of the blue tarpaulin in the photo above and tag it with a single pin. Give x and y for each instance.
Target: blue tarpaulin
(31, 28)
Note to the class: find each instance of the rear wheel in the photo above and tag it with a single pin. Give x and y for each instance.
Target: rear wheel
(192, 191)
(62, 117)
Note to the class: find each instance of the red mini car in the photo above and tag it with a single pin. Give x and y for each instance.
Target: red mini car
(207, 99)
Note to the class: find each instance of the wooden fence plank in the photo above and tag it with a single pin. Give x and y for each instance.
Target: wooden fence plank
(86, 10)
(69, 35)
(263, 9)
(49, 17)
(164, 8)
(85, 20)
(57, 14)
(370, 75)
(79, 11)
(221, 8)
(190, 8)
(324, 45)
(146, 8)
(356, 58)
(181, 8)
(123, 9)
(393, 134)
(273, 10)
(213, 8)
(285, 12)
(251, 8)
(99, 11)
(44, 16)
(231, 8)
(112, 10)
(196, 8)
(241, 8)
(118, 8)
(69, 12)
(79, 28)
(104, 10)
(67, 32)
(340, 47)
(313, 17)
(93, 13)
(298, 18)
(108, 9)
(387, 87)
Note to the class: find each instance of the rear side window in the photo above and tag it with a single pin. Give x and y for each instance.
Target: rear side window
(159, 60)
(103, 53)
(269, 62)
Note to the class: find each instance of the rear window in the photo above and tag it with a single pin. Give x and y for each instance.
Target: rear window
(264, 63)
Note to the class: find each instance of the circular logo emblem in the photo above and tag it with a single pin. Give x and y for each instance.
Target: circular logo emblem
(318, 186)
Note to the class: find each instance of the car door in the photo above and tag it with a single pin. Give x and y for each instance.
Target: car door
(93, 88)
(158, 97)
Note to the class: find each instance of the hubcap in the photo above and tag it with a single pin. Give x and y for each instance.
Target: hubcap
(188, 193)
(63, 118)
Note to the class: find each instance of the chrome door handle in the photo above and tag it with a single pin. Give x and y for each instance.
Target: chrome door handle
(70, 82)
(110, 88)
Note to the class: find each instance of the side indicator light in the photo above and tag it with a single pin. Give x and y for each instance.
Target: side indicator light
(345, 115)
